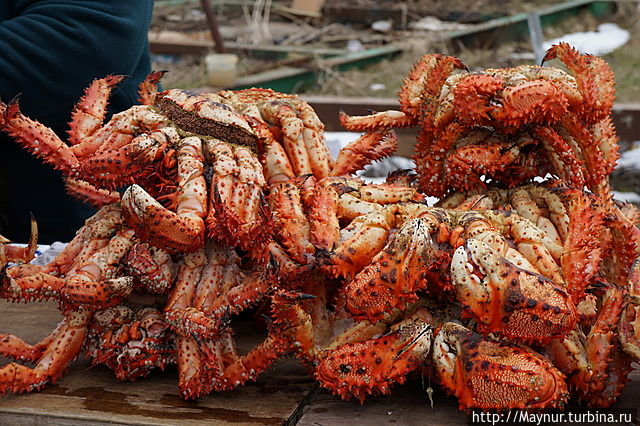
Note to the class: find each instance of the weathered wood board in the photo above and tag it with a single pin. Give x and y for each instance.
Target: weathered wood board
(409, 405)
(92, 395)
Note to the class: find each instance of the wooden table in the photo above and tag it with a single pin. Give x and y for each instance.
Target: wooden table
(284, 395)
(92, 395)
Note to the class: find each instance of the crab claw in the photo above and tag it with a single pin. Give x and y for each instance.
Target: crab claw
(28, 282)
(594, 78)
(373, 366)
(489, 374)
(10, 253)
(509, 300)
(364, 150)
(394, 275)
(148, 89)
(160, 226)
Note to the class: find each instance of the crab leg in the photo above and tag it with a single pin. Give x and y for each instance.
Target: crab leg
(248, 195)
(277, 167)
(602, 338)
(220, 274)
(595, 165)
(38, 139)
(236, 369)
(184, 229)
(84, 191)
(293, 134)
(19, 350)
(221, 190)
(596, 365)
(531, 242)
(221, 290)
(243, 212)
(148, 89)
(525, 200)
(94, 235)
(118, 164)
(44, 143)
(373, 366)
(306, 332)
(63, 348)
(88, 283)
(152, 266)
(364, 150)
(380, 120)
(395, 273)
(426, 78)
(250, 289)
(583, 249)
(629, 327)
(190, 367)
(359, 243)
(287, 268)
(237, 208)
(358, 361)
(120, 131)
(605, 134)
(429, 155)
(594, 77)
(313, 137)
(88, 114)
(324, 227)
(291, 221)
(189, 274)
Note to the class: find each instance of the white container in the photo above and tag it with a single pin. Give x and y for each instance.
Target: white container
(222, 69)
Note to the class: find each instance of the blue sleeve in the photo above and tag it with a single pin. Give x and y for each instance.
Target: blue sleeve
(52, 49)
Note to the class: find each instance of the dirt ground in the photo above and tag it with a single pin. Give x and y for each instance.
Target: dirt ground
(266, 24)
(625, 61)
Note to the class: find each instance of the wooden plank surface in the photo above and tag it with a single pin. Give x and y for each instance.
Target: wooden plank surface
(409, 405)
(93, 396)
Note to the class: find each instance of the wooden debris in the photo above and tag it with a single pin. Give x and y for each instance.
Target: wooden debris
(307, 7)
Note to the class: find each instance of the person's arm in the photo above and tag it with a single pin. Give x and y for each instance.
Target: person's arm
(53, 49)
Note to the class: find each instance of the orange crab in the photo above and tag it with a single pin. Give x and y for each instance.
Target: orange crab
(208, 157)
(567, 116)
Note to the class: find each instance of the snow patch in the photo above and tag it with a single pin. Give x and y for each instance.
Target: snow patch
(338, 140)
(627, 197)
(630, 159)
(608, 38)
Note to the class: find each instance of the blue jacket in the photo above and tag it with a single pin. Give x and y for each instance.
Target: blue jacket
(50, 50)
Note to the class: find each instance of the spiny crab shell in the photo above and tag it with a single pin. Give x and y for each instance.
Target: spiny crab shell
(495, 375)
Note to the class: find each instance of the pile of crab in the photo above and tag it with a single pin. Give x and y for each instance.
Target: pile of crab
(509, 293)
